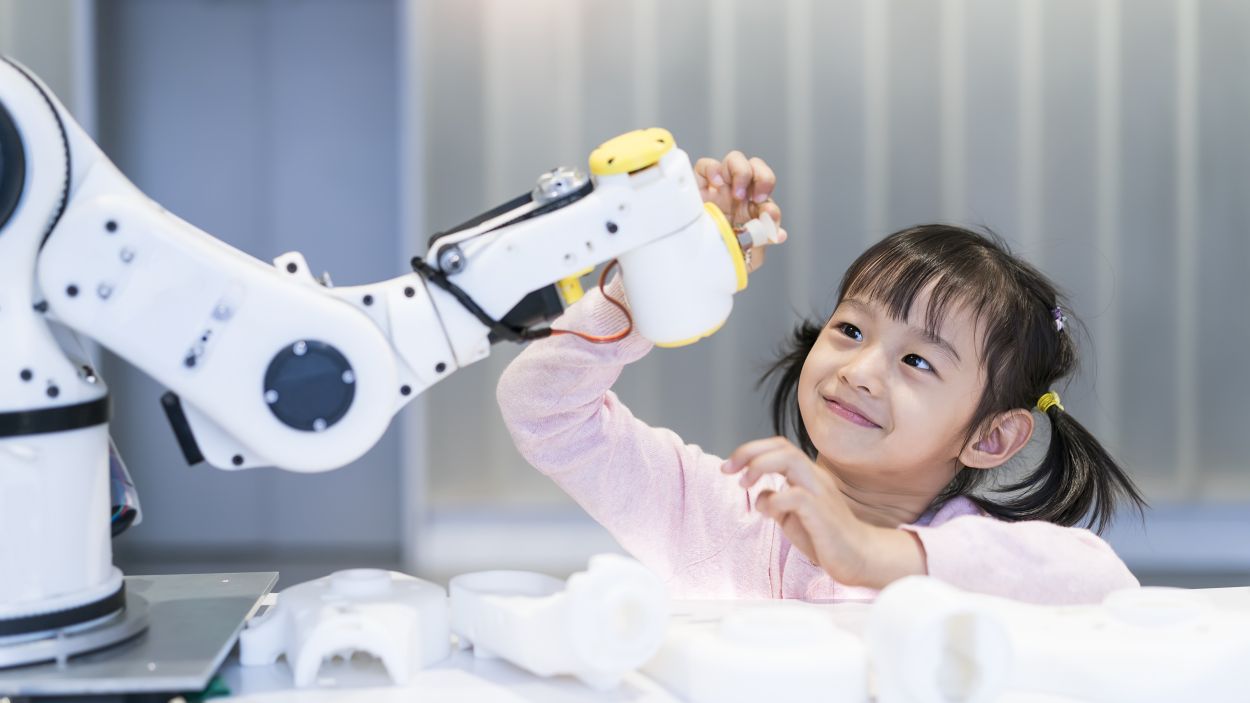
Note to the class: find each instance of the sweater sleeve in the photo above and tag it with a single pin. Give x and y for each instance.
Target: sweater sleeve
(1032, 561)
(665, 501)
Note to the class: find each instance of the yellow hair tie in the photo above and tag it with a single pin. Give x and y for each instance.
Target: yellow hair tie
(1046, 402)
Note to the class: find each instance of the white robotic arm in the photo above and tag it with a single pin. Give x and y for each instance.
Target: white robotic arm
(267, 366)
(271, 367)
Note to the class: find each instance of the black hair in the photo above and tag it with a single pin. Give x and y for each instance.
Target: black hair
(1022, 353)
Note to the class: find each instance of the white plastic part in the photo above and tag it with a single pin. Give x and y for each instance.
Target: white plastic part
(399, 619)
(1148, 645)
(602, 624)
(789, 652)
(763, 230)
(931, 643)
(208, 322)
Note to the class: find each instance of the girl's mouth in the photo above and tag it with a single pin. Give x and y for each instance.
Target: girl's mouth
(848, 413)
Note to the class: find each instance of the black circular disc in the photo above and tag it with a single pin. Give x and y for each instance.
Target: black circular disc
(309, 386)
(12, 166)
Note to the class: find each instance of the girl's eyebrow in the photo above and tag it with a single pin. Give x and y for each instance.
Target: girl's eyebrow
(937, 341)
(931, 337)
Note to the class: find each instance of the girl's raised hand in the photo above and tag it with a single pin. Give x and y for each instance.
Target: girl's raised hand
(813, 513)
(742, 188)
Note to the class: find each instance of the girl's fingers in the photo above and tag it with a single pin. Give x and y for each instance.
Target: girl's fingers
(763, 180)
(788, 462)
(764, 503)
(708, 173)
(777, 504)
(745, 452)
(740, 174)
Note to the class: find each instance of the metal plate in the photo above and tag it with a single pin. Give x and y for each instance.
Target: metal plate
(193, 621)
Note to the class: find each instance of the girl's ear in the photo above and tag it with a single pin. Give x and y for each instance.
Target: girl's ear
(1005, 435)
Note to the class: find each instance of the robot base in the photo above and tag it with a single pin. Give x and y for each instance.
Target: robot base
(61, 644)
(192, 621)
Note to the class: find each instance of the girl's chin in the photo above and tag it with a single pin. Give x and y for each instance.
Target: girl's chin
(844, 453)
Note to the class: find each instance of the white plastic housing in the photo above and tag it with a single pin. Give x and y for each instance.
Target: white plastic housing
(397, 618)
(931, 642)
(602, 624)
(783, 652)
(681, 288)
(173, 291)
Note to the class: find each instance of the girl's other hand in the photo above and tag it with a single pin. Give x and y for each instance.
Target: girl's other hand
(742, 188)
(815, 516)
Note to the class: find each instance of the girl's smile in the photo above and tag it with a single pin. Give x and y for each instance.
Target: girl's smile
(850, 413)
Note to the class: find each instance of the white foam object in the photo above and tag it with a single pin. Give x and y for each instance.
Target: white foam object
(930, 642)
(598, 626)
(785, 652)
(401, 620)
(763, 230)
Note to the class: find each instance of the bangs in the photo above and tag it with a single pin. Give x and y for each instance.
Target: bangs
(956, 270)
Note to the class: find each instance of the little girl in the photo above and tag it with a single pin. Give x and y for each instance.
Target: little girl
(935, 368)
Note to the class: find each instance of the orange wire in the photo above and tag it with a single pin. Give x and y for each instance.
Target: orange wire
(605, 339)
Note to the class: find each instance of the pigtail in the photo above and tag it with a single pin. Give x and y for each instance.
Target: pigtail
(1078, 480)
(783, 375)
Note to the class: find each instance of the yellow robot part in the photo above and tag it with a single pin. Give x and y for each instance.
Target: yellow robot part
(631, 151)
(571, 287)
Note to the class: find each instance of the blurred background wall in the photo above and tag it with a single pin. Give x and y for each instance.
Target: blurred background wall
(1105, 139)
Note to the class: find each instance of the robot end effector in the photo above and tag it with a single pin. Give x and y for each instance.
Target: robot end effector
(269, 366)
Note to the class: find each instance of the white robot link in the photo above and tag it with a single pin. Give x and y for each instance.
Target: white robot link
(267, 365)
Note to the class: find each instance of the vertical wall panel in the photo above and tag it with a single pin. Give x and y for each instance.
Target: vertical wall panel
(1148, 216)
(1108, 239)
(1222, 248)
(876, 115)
(1186, 231)
(954, 97)
(915, 114)
(801, 158)
(1030, 29)
(842, 215)
(992, 115)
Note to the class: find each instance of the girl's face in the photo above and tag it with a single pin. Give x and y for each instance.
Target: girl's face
(887, 405)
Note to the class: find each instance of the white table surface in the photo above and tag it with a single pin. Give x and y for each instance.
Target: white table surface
(462, 677)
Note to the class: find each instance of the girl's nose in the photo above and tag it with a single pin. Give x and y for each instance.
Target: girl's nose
(864, 369)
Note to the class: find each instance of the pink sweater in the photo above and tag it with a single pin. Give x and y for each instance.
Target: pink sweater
(669, 505)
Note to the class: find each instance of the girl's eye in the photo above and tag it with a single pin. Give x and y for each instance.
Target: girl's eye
(917, 361)
(851, 331)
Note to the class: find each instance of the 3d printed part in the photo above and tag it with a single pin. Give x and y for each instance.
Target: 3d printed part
(399, 619)
(930, 642)
(600, 625)
(772, 652)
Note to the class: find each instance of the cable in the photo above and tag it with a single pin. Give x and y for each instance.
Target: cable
(122, 519)
(605, 339)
